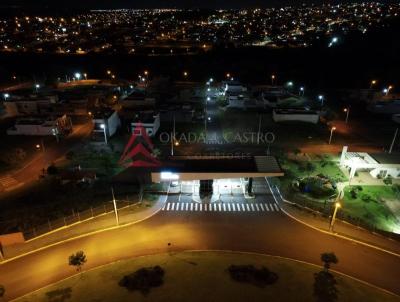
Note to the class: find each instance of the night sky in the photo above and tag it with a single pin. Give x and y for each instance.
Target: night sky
(152, 3)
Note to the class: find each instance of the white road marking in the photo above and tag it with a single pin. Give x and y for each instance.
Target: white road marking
(258, 209)
(187, 206)
(195, 206)
(168, 205)
(272, 208)
(252, 207)
(262, 207)
(191, 207)
(173, 206)
(247, 206)
(233, 207)
(276, 207)
(223, 205)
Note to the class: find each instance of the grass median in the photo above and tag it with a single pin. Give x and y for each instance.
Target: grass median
(203, 276)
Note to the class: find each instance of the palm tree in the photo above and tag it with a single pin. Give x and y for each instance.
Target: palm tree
(77, 260)
(328, 259)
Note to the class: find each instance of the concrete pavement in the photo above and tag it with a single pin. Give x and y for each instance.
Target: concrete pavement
(251, 232)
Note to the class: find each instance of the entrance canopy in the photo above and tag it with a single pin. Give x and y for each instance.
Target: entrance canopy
(211, 167)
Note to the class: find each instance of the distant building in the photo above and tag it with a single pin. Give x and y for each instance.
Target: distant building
(105, 124)
(296, 115)
(138, 100)
(391, 106)
(30, 105)
(40, 126)
(233, 87)
(378, 165)
(149, 120)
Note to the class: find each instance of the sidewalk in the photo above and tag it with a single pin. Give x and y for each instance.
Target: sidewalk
(127, 215)
(341, 228)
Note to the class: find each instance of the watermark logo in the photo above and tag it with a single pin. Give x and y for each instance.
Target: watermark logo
(213, 138)
(138, 151)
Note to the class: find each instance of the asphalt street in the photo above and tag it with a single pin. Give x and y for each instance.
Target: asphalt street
(271, 233)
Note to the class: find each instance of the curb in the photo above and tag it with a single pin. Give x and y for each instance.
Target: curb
(333, 234)
(218, 251)
(82, 236)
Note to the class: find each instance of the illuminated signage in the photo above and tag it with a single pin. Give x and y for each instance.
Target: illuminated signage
(169, 176)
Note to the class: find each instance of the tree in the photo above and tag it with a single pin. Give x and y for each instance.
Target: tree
(325, 287)
(328, 259)
(2, 291)
(324, 282)
(296, 151)
(77, 260)
(52, 170)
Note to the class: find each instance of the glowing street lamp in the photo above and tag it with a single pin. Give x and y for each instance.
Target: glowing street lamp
(301, 91)
(272, 79)
(373, 82)
(347, 111)
(37, 86)
(6, 96)
(211, 80)
(337, 206)
(85, 75)
(108, 72)
(387, 90)
(77, 75)
(103, 126)
(185, 74)
(146, 73)
(333, 41)
(290, 84)
(330, 137)
(321, 99)
(228, 75)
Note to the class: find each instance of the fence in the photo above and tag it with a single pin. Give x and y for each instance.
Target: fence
(326, 210)
(75, 217)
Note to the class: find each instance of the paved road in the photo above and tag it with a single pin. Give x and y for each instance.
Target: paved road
(271, 233)
(53, 151)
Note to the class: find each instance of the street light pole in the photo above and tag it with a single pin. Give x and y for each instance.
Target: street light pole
(337, 206)
(105, 132)
(173, 138)
(115, 206)
(393, 141)
(347, 110)
(330, 137)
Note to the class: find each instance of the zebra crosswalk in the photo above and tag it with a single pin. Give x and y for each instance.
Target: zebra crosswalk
(8, 181)
(220, 207)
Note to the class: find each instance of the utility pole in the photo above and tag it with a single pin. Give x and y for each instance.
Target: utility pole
(259, 130)
(347, 110)
(337, 206)
(330, 137)
(173, 138)
(393, 141)
(115, 206)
